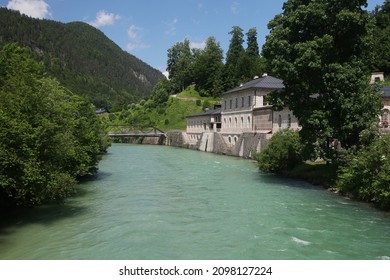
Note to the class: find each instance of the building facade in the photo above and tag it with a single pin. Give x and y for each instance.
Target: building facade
(246, 121)
(245, 109)
(208, 121)
(244, 114)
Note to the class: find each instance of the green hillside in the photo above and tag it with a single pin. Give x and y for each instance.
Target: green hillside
(82, 58)
(167, 116)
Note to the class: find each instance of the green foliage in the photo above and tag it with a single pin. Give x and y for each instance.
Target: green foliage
(236, 51)
(382, 38)
(316, 173)
(321, 49)
(170, 115)
(189, 93)
(207, 69)
(48, 136)
(161, 92)
(283, 152)
(82, 58)
(180, 61)
(366, 175)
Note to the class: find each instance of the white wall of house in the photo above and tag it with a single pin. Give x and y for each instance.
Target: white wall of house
(385, 117)
(284, 119)
(196, 125)
(377, 77)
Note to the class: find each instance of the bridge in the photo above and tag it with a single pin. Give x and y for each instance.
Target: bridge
(128, 131)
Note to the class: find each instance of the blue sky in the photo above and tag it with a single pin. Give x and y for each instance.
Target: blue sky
(148, 28)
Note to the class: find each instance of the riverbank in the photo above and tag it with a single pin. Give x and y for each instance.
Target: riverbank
(316, 173)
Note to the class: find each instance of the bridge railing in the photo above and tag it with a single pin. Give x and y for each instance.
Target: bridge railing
(134, 131)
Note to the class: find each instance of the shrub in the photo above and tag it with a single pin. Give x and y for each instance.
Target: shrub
(284, 152)
(366, 175)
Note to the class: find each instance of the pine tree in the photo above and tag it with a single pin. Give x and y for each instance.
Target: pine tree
(232, 73)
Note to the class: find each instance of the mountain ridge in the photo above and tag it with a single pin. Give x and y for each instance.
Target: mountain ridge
(82, 58)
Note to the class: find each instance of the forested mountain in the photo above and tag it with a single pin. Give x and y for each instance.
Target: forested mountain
(82, 58)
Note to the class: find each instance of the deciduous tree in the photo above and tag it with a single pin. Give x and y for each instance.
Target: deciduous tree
(321, 49)
(208, 67)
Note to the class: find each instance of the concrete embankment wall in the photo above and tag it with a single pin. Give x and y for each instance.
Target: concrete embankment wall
(214, 143)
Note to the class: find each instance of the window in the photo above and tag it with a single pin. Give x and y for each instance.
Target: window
(249, 122)
(265, 101)
(385, 118)
(280, 121)
(242, 102)
(230, 122)
(289, 121)
(231, 102)
(225, 105)
(236, 102)
(242, 122)
(249, 101)
(235, 122)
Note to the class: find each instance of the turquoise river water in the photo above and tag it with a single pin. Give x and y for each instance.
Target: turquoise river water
(155, 202)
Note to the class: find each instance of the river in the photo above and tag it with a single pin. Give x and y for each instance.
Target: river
(156, 202)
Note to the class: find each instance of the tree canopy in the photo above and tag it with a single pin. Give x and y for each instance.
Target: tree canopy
(321, 49)
(382, 38)
(179, 65)
(48, 136)
(208, 67)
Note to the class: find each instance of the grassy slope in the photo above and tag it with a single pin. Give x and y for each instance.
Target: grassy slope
(172, 116)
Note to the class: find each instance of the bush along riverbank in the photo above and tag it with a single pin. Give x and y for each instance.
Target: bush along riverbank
(49, 138)
(361, 173)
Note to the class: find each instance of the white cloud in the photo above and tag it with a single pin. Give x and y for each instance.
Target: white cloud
(104, 18)
(235, 8)
(32, 8)
(198, 45)
(134, 34)
(171, 27)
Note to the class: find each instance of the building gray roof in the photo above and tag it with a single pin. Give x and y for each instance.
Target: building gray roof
(267, 82)
(386, 91)
(216, 111)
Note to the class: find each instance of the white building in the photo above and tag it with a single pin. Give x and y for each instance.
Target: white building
(246, 109)
(205, 122)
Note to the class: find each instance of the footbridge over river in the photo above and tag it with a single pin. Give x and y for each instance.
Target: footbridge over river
(129, 131)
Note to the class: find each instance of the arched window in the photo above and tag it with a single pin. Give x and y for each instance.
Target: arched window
(242, 122)
(249, 122)
(235, 122)
(230, 122)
